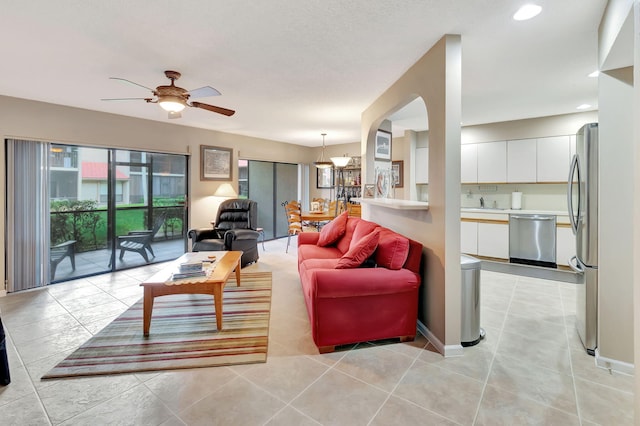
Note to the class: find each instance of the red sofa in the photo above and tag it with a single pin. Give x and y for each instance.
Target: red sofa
(348, 302)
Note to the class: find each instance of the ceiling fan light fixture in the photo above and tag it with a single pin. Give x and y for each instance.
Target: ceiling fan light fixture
(171, 103)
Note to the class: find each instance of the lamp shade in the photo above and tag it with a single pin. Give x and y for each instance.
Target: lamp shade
(226, 190)
(340, 161)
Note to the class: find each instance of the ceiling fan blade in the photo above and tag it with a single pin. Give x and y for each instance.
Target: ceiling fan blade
(131, 82)
(125, 99)
(203, 92)
(212, 108)
(173, 114)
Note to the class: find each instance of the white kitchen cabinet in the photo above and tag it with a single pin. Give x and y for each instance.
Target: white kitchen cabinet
(422, 165)
(565, 245)
(521, 164)
(469, 163)
(553, 158)
(493, 240)
(469, 237)
(492, 162)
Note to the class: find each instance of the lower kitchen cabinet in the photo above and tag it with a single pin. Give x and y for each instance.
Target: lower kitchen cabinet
(565, 245)
(493, 240)
(469, 237)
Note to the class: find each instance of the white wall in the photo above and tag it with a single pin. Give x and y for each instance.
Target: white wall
(619, 238)
(436, 78)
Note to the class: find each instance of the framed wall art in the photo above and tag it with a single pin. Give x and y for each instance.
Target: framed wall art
(216, 163)
(383, 145)
(325, 178)
(397, 173)
(369, 191)
(383, 182)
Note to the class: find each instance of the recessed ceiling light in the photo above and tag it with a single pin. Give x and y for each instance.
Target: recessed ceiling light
(594, 74)
(527, 11)
(583, 106)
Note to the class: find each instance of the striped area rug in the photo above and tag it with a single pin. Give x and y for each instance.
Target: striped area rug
(183, 334)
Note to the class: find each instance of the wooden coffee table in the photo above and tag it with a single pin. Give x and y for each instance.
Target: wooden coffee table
(161, 283)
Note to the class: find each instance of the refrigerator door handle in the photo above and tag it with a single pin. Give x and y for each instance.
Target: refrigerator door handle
(575, 265)
(572, 169)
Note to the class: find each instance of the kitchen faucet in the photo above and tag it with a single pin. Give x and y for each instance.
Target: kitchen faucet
(482, 202)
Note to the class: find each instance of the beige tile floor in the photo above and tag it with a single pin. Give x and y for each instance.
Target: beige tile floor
(531, 369)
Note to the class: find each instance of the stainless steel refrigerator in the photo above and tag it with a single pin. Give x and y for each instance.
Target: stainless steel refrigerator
(582, 198)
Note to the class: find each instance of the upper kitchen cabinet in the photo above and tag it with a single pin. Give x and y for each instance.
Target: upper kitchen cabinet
(553, 158)
(521, 166)
(422, 165)
(469, 163)
(492, 162)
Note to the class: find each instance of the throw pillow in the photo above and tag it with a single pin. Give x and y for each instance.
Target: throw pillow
(393, 250)
(363, 228)
(333, 230)
(359, 252)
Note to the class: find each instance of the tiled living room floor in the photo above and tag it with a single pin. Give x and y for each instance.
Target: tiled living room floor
(531, 369)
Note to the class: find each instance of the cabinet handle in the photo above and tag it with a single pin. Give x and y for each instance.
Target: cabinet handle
(533, 218)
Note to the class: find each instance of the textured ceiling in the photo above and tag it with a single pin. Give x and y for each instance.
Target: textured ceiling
(295, 69)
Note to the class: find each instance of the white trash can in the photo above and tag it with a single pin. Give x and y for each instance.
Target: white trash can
(471, 333)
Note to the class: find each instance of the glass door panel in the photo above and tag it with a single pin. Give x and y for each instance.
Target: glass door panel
(286, 189)
(270, 184)
(78, 220)
(261, 176)
(169, 189)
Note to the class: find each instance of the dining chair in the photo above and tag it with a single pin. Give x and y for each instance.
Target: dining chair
(332, 206)
(323, 203)
(294, 219)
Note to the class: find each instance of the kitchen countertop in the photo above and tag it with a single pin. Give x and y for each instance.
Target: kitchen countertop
(512, 211)
(503, 214)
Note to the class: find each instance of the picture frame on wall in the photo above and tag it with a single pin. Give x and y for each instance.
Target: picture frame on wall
(383, 146)
(397, 173)
(369, 191)
(383, 182)
(325, 178)
(216, 163)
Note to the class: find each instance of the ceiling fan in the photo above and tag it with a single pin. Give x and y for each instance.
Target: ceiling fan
(174, 99)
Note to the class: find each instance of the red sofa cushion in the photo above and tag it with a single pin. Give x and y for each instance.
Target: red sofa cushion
(345, 241)
(312, 251)
(333, 230)
(363, 228)
(392, 250)
(360, 251)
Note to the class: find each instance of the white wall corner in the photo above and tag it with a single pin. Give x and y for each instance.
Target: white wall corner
(447, 351)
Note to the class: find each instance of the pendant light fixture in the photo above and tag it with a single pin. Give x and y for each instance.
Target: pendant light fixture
(322, 164)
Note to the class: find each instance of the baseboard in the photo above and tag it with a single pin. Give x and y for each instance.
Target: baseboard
(3, 293)
(613, 364)
(446, 350)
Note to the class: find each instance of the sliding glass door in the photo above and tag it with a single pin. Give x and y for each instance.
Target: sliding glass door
(114, 209)
(270, 184)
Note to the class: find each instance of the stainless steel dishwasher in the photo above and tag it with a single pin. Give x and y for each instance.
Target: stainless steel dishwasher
(532, 239)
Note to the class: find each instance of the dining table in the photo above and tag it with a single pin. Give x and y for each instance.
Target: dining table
(317, 219)
(320, 216)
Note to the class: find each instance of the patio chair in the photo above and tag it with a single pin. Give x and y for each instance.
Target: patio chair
(235, 229)
(59, 252)
(140, 241)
